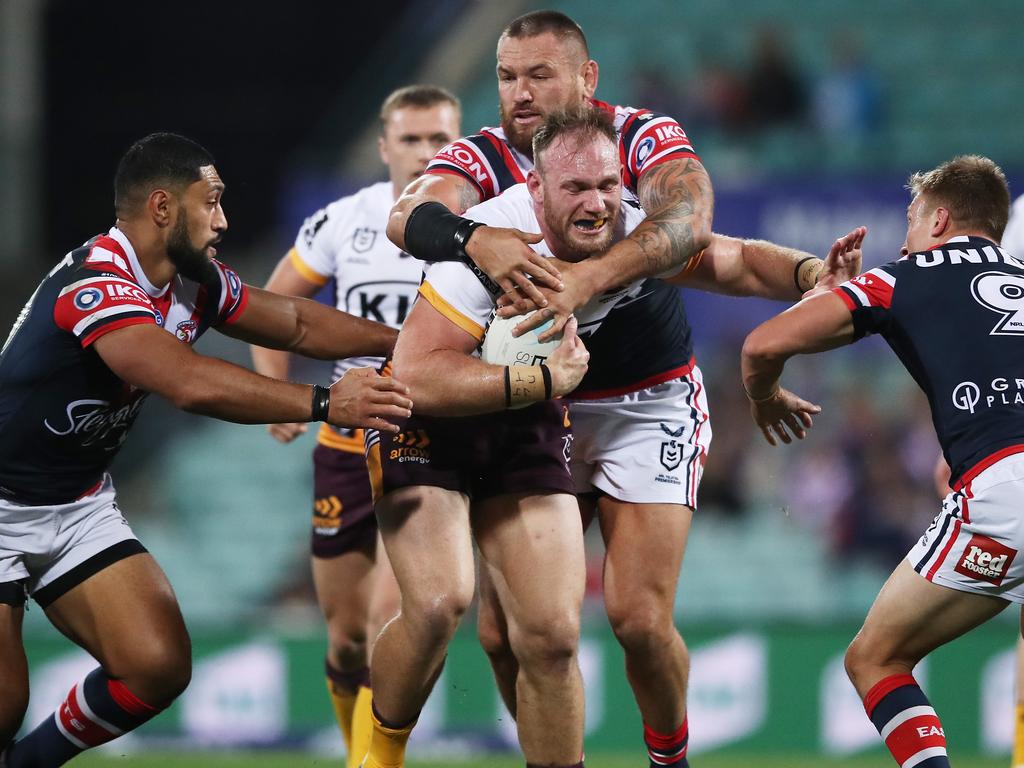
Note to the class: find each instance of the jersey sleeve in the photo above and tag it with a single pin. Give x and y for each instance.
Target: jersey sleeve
(232, 297)
(1013, 235)
(483, 160)
(454, 290)
(97, 305)
(313, 254)
(869, 298)
(649, 139)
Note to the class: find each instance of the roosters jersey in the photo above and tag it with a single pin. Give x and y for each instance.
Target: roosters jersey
(372, 278)
(637, 334)
(63, 413)
(954, 315)
(646, 139)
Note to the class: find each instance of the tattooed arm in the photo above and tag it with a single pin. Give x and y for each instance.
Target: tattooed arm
(679, 203)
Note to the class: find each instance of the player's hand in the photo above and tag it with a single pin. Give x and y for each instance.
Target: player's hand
(285, 433)
(781, 414)
(558, 306)
(568, 363)
(363, 398)
(842, 263)
(504, 254)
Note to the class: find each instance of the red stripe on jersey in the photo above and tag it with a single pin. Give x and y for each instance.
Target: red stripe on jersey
(97, 260)
(101, 297)
(239, 308)
(116, 325)
(78, 725)
(847, 299)
(878, 291)
(883, 688)
(945, 551)
(964, 505)
(465, 157)
(506, 156)
(128, 701)
(650, 381)
(985, 463)
(917, 733)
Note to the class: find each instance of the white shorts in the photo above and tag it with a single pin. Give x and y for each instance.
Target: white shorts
(974, 543)
(645, 447)
(55, 548)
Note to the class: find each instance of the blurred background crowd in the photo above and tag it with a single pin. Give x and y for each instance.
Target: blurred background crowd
(808, 116)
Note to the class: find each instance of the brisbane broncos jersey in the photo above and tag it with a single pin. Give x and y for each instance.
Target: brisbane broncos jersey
(63, 413)
(637, 334)
(646, 139)
(954, 315)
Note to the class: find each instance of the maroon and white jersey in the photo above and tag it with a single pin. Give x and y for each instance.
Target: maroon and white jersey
(63, 413)
(646, 139)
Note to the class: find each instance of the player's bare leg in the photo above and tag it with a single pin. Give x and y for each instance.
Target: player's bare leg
(385, 602)
(644, 546)
(13, 672)
(427, 536)
(910, 618)
(533, 549)
(343, 587)
(1017, 760)
(127, 617)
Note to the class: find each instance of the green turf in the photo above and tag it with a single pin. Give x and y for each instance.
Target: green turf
(293, 760)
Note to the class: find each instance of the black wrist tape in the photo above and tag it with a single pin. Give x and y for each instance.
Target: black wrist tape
(433, 233)
(321, 403)
(546, 373)
(508, 388)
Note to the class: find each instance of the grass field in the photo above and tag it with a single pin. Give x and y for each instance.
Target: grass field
(293, 760)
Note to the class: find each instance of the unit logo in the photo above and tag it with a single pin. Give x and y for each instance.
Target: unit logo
(986, 560)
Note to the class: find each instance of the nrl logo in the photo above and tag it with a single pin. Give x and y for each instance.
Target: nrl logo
(363, 239)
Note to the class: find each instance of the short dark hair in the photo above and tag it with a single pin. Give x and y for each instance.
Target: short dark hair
(538, 22)
(972, 187)
(156, 160)
(418, 97)
(588, 122)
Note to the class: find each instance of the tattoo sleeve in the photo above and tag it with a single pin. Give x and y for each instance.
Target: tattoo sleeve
(679, 202)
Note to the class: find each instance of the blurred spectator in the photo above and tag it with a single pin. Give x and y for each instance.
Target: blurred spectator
(776, 89)
(847, 99)
(716, 97)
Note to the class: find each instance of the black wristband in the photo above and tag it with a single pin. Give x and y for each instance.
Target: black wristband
(508, 388)
(546, 373)
(433, 233)
(796, 273)
(321, 403)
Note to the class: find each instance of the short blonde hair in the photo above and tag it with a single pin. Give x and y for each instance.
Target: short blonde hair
(972, 188)
(418, 97)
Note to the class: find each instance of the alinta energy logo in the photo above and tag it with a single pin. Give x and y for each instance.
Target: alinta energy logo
(969, 396)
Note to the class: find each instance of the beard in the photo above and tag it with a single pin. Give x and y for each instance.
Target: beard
(578, 246)
(519, 138)
(191, 262)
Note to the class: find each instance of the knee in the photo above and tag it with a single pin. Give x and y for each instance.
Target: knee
(346, 642)
(156, 669)
(547, 646)
(643, 625)
(438, 616)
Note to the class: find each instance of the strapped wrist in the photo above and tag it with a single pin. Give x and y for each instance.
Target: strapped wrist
(321, 406)
(797, 270)
(526, 384)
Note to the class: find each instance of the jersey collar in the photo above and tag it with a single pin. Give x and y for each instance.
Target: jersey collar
(133, 261)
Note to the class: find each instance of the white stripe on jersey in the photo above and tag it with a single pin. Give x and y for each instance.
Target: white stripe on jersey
(885, 277)
(95, 317)
(100, 255)
(858, 294)
(91, 280)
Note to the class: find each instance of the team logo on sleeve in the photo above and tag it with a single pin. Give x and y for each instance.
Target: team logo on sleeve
(644, 151)
(1004, 294)
(363, 239)
(88, 298)
(186, 330)
(234, 284)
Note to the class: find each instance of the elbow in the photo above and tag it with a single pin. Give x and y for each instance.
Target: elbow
(760, 347)
(189, 397)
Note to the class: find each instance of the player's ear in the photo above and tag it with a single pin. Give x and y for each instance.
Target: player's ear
(535, 187)
(941, 221)
(589, 78)
(161, 205)
(382, 149)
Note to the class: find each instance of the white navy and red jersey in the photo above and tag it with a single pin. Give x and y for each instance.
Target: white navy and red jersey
(63, 413)
(637, 334)
(954, 315)
(372, 277)
(646, 139)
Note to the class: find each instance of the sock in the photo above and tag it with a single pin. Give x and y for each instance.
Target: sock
(1018, 737)
(387, 743)
(907, 723)
(96, 711)
(668, 749)
(342, 688)
(362, 726)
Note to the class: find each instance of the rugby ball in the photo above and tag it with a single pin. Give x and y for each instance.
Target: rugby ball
(500, 347)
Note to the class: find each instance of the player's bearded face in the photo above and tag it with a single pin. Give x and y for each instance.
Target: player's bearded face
(582, 195)
(538, 76)
(191, 261)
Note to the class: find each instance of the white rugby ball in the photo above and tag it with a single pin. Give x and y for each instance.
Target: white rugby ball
(500, 347)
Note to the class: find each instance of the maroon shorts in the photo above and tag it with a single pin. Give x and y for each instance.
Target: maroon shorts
(343, 518)
(516, 451)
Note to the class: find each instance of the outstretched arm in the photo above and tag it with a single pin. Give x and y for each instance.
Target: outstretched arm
(814, 325)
